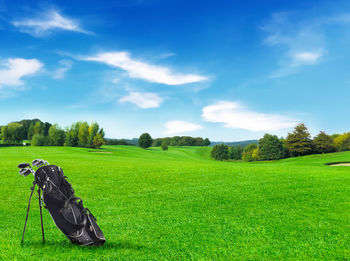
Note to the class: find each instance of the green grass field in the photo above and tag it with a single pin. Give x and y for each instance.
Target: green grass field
(180, 204)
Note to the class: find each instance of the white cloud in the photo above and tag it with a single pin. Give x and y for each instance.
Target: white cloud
(173, 127)
(61, 72)
(48, 22)
(144, 100)
(307, 57)
(17, 68)
(235, 116)
(145, 71)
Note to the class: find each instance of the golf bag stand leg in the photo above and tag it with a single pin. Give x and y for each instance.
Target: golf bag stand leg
(30, 198)
(41, 215)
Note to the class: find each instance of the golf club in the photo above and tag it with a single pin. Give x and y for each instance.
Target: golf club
(25, 172)
(39, 162)
(23, 165)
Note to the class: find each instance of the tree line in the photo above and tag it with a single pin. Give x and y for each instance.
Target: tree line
(16, 132)
(171, 141)
(297, 143)
(82, 134)
(79, 134)
(181, 141)
(145, 141)
(132, 142)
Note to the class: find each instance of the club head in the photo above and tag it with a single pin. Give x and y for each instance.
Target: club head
(25, 172)
(39, 162)
(23, 165)
(36, 162)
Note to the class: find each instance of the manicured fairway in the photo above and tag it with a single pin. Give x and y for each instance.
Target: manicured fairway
(180, 204)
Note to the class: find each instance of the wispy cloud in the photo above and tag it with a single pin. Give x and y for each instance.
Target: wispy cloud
(65, 65)
(47, 22)
(144, 100)
(235, 116)
(302, 43)
(336, 19)
(14, 69)
(176, 127)
(143, 70)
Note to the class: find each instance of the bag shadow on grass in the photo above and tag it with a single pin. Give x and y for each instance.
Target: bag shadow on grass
(67, 245)
(122, 245)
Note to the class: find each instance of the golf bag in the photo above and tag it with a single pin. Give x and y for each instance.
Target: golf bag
(66, 210)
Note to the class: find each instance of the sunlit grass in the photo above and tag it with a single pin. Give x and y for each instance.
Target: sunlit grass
(180, 204)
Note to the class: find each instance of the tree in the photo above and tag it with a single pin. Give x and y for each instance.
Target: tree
(248, 151)
(182, 141)
(72, 135)
(39, 140)
(271, 148)
(83, 135)
(4, 134)
(335, 135)
(206, 142)
(102, 133)
(286, 152)
(56, 135)
(342, 142)
(46, 128)
(38, 128)
(186, 141)
(164, 146)
(299, 141)
(324, 143)
(235, 152)
(145, 141)
(219, 152)
(30, 131)
(255, 154)
(26, 125)
(12, 133)
(69, 138)
(97, 141)
(93, 130)
(174, 141)
(157, 142)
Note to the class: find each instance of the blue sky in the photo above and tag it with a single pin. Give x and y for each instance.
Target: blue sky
(226, 70)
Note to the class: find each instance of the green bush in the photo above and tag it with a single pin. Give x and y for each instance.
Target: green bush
(248, 152)
(271, 148)
(220, 152)
(235, 152)
(164, 146)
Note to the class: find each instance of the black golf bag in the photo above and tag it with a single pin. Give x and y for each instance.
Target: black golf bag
(66, 210)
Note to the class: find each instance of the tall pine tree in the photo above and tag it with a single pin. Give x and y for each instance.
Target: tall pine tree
(299, 142)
